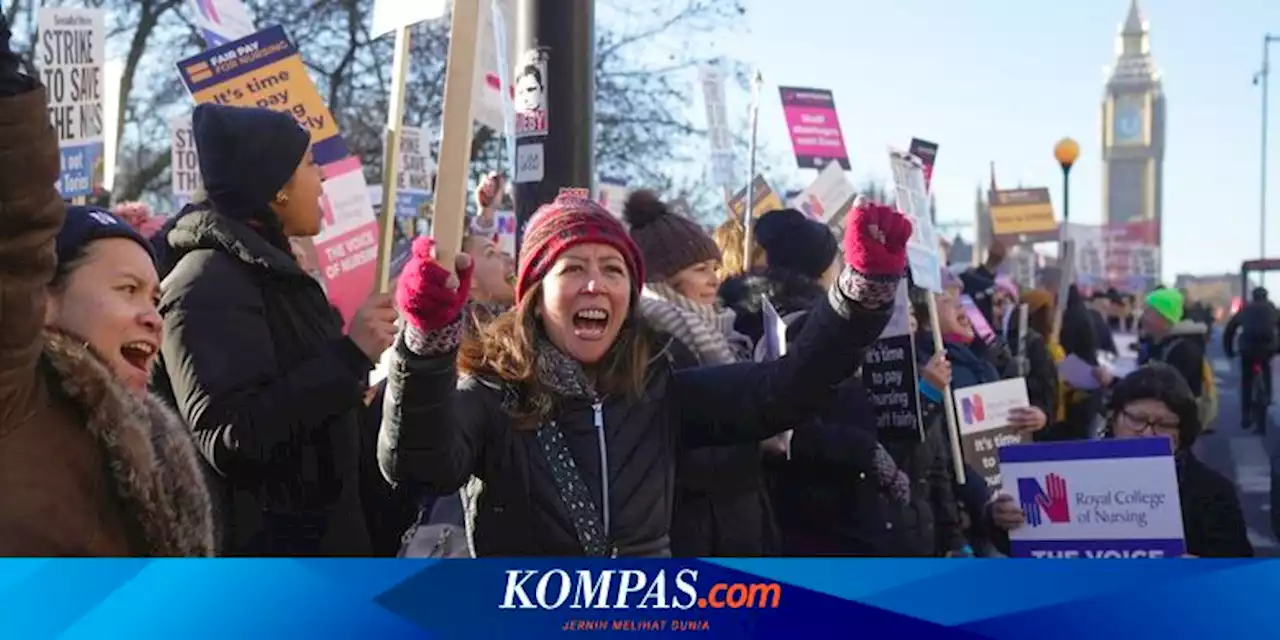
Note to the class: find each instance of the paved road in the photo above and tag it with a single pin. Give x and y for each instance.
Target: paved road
(1241, 455)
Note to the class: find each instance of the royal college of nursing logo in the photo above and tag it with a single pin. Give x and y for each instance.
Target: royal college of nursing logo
(973, 409)
(1048, 502)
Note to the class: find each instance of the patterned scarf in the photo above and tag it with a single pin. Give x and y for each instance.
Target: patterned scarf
(705, 329)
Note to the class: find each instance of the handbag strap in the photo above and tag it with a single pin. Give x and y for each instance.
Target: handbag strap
(573, 491)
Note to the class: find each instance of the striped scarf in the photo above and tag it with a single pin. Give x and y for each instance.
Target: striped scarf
(707, 330)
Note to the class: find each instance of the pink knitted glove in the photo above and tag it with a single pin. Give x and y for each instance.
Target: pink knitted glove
(875, 240)
(429, 297)
(875, 256)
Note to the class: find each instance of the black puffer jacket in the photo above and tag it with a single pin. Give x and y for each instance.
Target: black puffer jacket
(255, 360)
(721, 506)
(826, 498)
(1211, 517)
(928, 526)
(438, 430)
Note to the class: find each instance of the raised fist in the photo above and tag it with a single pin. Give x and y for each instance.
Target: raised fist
(428, 295)
(875, 240)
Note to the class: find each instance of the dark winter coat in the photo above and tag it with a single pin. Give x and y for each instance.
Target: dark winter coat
(969, 367)
(1102, 335)
(438, 431)
(389, 512)
(721, 507)
(1183, 349)
(86, 467)
(1256, 327)
(928, 526)
(255, 359)
(1211, 517)
(826, 498)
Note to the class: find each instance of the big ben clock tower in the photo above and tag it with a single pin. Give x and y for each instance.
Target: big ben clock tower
(1133, 137)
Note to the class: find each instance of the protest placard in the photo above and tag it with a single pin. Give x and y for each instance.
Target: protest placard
(185, 165)
(389, 15)
(814, 127)
(1021, 216)
(981, 328)
(265, 70)
(1096, 499)
(71, 49)
(763, 200)
(913, 200)
(723, 173)
(506, 240)
(928, 154)
(612, 193)
(413, 179)
(829, 198)
(773, 345)
(889, 375)
(984, 424)
(221, 21)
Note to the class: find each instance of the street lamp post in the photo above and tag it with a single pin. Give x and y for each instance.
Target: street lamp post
(1065, 152)
(1260, 78)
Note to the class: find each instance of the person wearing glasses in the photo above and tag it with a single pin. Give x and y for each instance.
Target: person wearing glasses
(1155, 401)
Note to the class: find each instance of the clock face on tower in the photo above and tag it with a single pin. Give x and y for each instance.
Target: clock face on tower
(1127, 121)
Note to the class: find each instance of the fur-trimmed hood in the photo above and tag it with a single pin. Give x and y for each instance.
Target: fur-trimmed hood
(153, 461)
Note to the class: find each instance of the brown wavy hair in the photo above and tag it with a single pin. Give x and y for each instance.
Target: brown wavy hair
(506, 349)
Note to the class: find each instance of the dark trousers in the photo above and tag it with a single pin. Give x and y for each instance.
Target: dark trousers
(1248, 361)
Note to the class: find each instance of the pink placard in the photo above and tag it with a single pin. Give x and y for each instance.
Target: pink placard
(814, 127)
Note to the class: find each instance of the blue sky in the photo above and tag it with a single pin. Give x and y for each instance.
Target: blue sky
(1003, 80)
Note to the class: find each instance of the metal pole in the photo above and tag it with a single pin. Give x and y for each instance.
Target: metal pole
(555, 89)
(1262, 164)
(747, 217)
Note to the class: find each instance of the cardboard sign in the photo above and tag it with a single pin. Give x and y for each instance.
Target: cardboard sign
(1096, 499)
(923, 255)
(185, 167)
(389, 15)
(983, 414)
(265, 70)
(814, 127)
(222, 21)
(723, 172)
(611, 193)
(981, 328)
(1022, 216)
(889, 375)
(763, 199)
(70, 53)
(413, 179)
(928, 154)
(773, 345)
(829, 198)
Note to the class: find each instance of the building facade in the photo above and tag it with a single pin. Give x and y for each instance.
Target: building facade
(1133, 142)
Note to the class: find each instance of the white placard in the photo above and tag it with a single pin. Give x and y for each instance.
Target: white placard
(986, 406)
(389, 15)
(829, 193)
(913, 200)
(222, 21)
(185, 166)
(506, 222)
(345, 204)
(723, 173)
(71, 49)
(612, 195)
(1101, 499)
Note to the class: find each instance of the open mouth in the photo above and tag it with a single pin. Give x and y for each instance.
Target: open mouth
(139, 354)
(589, 324)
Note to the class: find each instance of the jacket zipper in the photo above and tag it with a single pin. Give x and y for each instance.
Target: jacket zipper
(597, 410)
